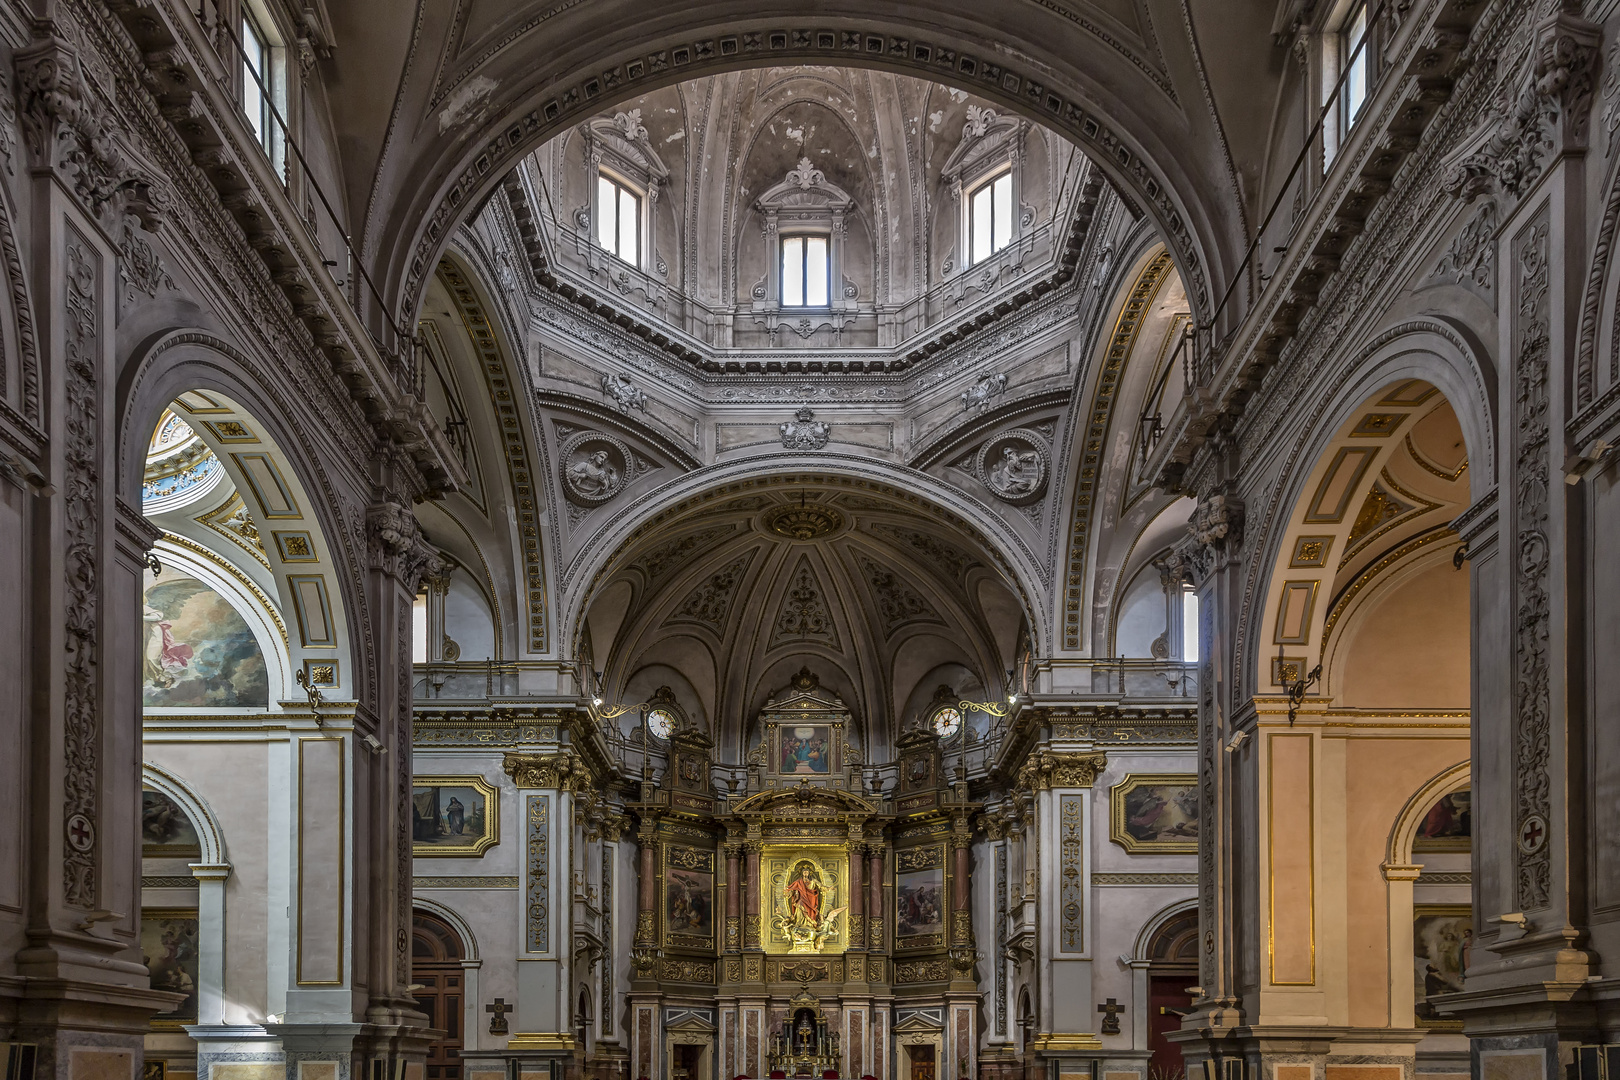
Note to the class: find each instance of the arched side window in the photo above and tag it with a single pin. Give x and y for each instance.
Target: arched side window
(626, 174)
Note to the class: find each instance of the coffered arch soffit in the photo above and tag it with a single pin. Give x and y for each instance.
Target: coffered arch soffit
(1401, 448)
(1127, 85)
(313, 541)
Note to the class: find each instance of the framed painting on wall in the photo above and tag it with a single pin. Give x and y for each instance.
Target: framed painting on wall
(919, 902)
(453, 816)
(808, 750)
(169, 949)
(1442, 944)
(687, 885)
(1155, 813)
(1449, 824)
(166, 829)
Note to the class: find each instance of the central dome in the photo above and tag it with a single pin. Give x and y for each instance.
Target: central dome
(807, 208)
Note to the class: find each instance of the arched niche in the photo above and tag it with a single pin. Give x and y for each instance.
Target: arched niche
(166, 892)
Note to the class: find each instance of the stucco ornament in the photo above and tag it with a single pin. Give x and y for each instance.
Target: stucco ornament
(979, 394)
(625, 394)
(804, 431)
(1013, 464)
(595, 467)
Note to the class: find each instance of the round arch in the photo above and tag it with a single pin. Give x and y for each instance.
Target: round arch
(1400, 876)
(474, 126)
(599, 558)
(211, 837)
(452, 918)
(1403, 834)
(244, 418)
(1154, 927)
(1427, 350)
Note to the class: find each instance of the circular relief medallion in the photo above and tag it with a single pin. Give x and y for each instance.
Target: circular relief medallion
(595, 466)
(81, 833)
(1533, 834)
(809, 522)
(1013, 465)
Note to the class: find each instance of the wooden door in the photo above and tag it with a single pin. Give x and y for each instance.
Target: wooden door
(436, 955)
(922, 1062)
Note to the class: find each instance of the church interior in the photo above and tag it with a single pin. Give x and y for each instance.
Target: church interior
(887, 541)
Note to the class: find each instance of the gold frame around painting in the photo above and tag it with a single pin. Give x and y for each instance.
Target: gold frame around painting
(1116, 805)
(492, 816)
(695, 862)
(831, 865)
(1420, 911)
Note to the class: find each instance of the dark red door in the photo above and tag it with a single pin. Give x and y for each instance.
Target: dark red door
(1167, 1001)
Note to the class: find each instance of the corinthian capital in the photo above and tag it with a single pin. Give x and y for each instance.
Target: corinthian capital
(395, 544)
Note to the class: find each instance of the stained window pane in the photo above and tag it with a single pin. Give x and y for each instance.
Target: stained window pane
(629, 227)
(793, 271)
(981, 218)
(1003, 218)
(607, 212)
(815, 271)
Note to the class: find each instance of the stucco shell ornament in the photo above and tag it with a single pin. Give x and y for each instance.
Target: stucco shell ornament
(595, 467)
(1013, 464)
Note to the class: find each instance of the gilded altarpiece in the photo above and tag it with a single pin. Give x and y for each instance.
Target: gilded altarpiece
(805, 900)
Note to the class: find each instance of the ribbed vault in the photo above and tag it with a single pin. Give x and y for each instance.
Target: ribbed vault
(883, 604)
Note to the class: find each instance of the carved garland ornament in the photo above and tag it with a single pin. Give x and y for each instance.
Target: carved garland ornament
(81, 518)
(1531, 706)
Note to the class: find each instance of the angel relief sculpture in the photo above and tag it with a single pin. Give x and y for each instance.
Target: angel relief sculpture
(800, 917)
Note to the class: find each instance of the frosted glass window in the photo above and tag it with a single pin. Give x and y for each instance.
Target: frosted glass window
(805, 272)
(1189, 626)
(1352, 40)
(990, 216)
(256, 73)
(419, 631)
(618, 219)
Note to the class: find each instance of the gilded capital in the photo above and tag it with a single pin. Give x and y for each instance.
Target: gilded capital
(558, 771)
(1047, 769)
